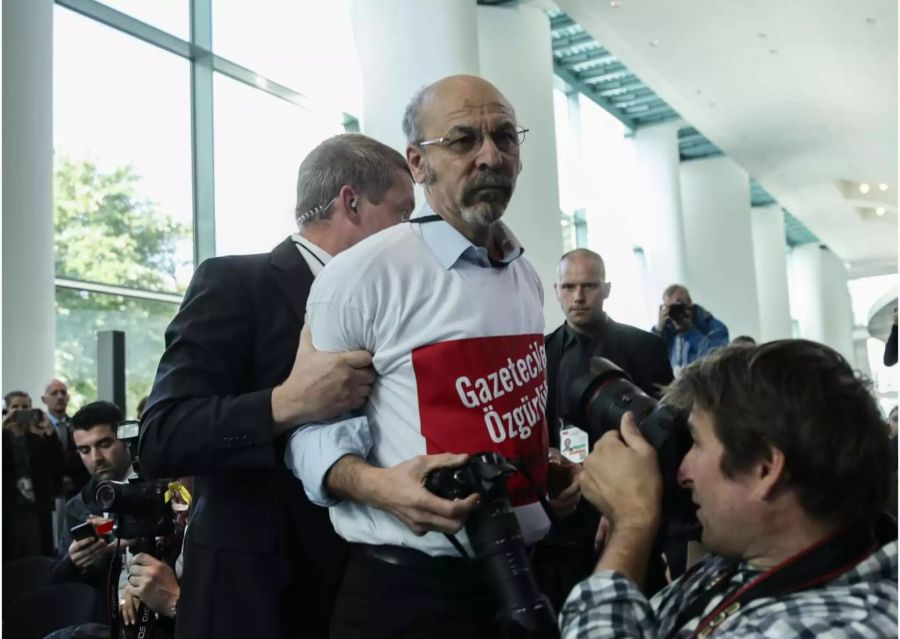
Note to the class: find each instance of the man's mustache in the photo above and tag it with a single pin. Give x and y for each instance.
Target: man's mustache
(486, 179)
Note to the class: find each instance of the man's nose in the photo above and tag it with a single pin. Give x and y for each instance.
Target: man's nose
(489, 156)
(683, 476)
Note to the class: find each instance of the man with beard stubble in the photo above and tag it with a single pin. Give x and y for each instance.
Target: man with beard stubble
(444, 304)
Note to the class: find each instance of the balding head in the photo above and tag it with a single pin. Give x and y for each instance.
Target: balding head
(581, 289)
(437, 96)
(56, 398)
(463, 145)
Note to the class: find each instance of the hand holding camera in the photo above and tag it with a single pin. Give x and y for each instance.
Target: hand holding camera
(563, 484)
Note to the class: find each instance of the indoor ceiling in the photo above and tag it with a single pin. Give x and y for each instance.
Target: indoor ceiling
(802, 94)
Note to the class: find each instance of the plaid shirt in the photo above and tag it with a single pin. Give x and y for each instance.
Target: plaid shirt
(859, 604)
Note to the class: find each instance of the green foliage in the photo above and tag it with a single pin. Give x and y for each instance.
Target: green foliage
(105, 232)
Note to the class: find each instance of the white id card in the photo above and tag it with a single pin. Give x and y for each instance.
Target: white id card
(573, 444)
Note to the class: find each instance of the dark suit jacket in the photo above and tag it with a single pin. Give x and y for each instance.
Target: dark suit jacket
(258, 554)
(640, 354)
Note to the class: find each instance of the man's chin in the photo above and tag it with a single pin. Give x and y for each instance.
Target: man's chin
(483, 213)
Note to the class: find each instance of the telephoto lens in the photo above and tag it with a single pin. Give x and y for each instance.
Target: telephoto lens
(496, 538)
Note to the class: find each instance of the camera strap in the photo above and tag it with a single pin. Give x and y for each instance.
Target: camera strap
(817, 564)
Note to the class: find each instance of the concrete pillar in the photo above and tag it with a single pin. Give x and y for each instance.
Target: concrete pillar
(820, 300)
(657, 207)
(515, 55)
(29, 336)
(770, 258)
(404, 45)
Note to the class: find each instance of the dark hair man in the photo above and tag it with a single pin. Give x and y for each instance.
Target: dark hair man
(689, 330)
(789, 470)
(105, 457)
(447, 306)
(259, 558)
(56, 399)
(566, 556)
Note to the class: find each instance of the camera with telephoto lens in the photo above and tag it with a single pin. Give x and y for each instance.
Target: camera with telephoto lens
(497, 541)
(603, 395)
(137, 504)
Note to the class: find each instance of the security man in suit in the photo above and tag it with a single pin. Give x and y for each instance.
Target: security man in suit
(260, 560)
(565, 555)
(581, 289)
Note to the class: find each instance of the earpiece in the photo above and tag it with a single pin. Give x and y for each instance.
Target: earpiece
(353, 205)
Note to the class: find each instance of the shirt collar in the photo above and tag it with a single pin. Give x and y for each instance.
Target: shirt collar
(315, 257)
(571, 335)
(451, 246)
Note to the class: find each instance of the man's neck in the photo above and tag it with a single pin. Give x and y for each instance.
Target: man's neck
(321, 234)
(58, 416)
(478, 234)
(785, 538)
(591, 329)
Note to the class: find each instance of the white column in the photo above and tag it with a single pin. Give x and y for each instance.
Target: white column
(29, 336)
(515, 55)
(770, 256)
(657, 207)
(715, 200)
(820, 300)
(404, 45)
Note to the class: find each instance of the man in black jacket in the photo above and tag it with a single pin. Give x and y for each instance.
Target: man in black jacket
(566, 554)
(581, 289)
(260, 560)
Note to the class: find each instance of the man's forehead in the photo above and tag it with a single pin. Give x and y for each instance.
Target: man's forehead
(94, 433)
(581, 268)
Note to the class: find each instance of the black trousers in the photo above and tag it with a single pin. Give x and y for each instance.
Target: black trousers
(433, 598)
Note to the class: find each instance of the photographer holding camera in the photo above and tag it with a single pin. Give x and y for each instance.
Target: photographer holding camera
(32, 468)
(451, 312)
(789, 472)
(689, 330)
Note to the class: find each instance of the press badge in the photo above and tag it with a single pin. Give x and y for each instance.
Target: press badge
(573, 444)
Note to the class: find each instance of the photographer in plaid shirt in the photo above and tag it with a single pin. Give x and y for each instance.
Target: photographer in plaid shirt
(789, 470)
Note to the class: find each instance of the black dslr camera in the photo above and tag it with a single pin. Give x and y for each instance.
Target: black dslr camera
(138, 505)
(604, 395)
(497, 540)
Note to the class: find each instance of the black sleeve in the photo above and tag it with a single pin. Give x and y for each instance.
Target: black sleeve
(890, 349)
(47, 458)
(658, 369)
(196, 420)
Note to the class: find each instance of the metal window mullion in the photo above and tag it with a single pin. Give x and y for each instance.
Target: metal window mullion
(202, 161)
(111, 289)
(127, 24)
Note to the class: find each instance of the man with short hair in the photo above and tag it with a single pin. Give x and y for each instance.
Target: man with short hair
(105, 457)
(451, 312)
(56, 399)
(566, 556)
(581, 288)
(789, 470)
(689, 330)
(260, 560)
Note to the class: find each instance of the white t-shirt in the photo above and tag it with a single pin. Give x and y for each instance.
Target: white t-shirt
(459, 353)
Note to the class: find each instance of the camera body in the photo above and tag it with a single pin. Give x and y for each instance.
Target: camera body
(603, 395)
(497, 541)
(678, 312)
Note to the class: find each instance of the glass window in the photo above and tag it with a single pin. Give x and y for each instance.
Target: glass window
(260, 141)
(306, 45)
(80, 314)
(172, 16)
(121, 126)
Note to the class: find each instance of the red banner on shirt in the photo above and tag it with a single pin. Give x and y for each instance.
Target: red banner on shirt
(487, 393)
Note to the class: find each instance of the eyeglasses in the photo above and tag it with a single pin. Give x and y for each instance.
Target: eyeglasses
(506, 139)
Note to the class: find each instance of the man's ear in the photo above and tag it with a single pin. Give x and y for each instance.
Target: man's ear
(769, 473)
(348, 202)
(556, 289)
(416, 161)
(607, 287)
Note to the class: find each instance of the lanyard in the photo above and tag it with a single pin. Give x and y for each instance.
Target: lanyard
(314, 256)
(821, 562)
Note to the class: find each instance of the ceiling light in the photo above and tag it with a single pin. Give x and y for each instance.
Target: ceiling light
(564, 222)
(882, 187)
(614, 4)
(654, 43)
(847, 265)
(863, 188)
(879, 211)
